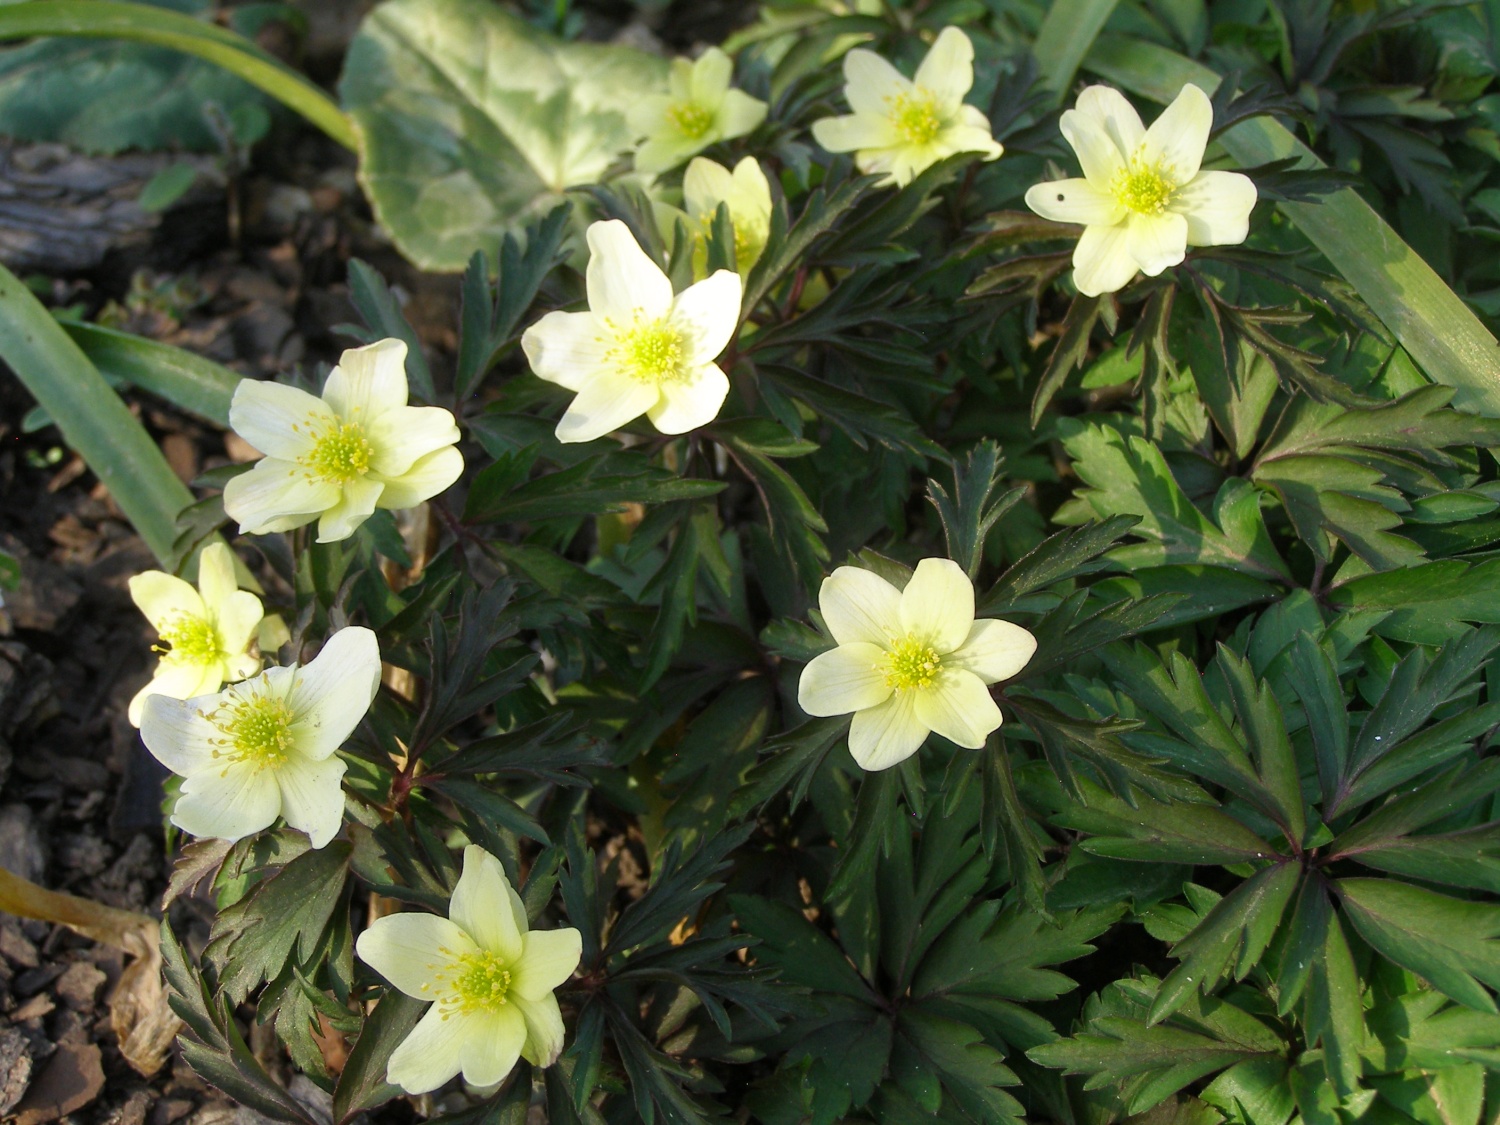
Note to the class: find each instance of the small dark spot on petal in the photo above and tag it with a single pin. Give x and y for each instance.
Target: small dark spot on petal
(1059, 197)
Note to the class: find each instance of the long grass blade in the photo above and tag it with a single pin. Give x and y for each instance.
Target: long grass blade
(115, 19)
(93, 420)
(1067, 32)
(188, 381)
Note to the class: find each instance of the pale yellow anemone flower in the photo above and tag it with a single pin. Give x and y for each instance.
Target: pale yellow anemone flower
(337, 458)
(745, 192)
(901, 126)
(490, 978)
(909, 661)
(267, 747)
(207, 631)
(1144, 197)
(639, 349)
(701, 109)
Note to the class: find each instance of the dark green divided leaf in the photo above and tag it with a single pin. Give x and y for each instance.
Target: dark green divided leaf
(281, 918)
(1447, 941)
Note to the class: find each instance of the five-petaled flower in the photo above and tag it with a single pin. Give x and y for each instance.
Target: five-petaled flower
(1144, 198)
(909, 661)
(207, 631)
(901, 126)
(745, 192)
(337, 458)
(489, 976)
(266, 747)
(700, 110)
(638, 350)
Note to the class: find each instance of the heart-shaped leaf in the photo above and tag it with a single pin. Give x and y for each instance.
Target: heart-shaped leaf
(472, 122)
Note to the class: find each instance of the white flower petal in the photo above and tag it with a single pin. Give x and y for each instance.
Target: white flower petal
(216, 580)
(238, 617)
(892, 162)
(749, 191)
(278, 420)
(680, 80)
(165, 599)
(622, 280)
(277, 495)
(548, 959)
(368, 381)
(707, 314)
(661, 152)
(647, 116)
(958, 706)
(686, 404)
(938, 604)
(1217, 208)
(1177, 138)
(1102, 261)
(357, 502)
(871, 83)
(710, 77)
(859, 605)
(312, 798)
(1156, 242)
(544, 1029)
(481, 905)
(400, 437)
(175, 681)
(994, 650)
(705, 185)
(948, 69)
(227, 802)
(969, 138)
(844, 679)
(427, 477)
(491, 1044)
(1074, 201)
(175, 731)
(1114, 117)
(404, 949)
(855, 131)
(607, 402)
(882, 736)
(430, 1055)
(566, 348)
(738, 114)
(331, 693)
(908, 162)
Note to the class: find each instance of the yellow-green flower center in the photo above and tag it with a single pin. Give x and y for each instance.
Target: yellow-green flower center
(650, 352)
(691, 119)
(192, 641)
(910, 663)
(1144, 188)
(481, 982)
(255, 728)
(341, 453)
(915, 117)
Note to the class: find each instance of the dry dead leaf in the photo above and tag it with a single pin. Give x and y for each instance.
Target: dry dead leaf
(138, 1009)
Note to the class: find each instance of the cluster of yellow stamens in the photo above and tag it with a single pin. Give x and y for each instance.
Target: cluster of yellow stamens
(915, 117)
(910, 663)
(476, 981)
(1144, 188)
(691, 119)
(190, 640)
(256, 728)
(649, 352)
(341, 453)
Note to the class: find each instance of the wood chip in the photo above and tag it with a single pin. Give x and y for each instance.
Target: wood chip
(71, 1079)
